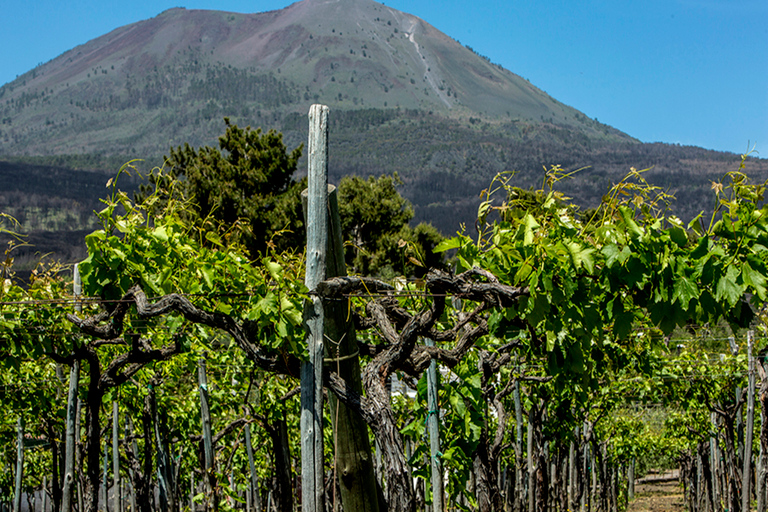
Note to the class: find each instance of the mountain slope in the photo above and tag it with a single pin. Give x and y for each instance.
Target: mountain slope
(170, 79)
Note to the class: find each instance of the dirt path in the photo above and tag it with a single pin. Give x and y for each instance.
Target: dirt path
(657, 497)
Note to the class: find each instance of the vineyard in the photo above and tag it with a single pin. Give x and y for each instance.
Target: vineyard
(553, 359)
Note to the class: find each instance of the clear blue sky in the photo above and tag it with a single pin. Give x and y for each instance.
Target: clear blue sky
(680, 71)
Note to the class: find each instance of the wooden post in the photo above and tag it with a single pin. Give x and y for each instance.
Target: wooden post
(117, 504)
(312, 370)
(520, 486)
(531, 468)
(585, 469)
(571, 489)
(19, 464)
(433, 419)
(761, 480)
(714, 461)
(67, 491)
(254, 492)
(77, 287)
(104, 485)
(205, 416)
(191, 491)
(739, 414)
(44, 498)
(353, 453)
(165, 478)
(746, 476)
(135, 447)
(80, 493)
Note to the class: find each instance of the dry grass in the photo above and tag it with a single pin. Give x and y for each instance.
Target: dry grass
(657, 497)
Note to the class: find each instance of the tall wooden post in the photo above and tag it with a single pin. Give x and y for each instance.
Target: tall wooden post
(520, 486)
(80, 492)
(312, 370)
(531, 468)
(19, 464)
(739, 415)
(746, 477)
(135, 447)
(254, 487)
(205, 416)
(714, 461)
(353, 454)
(104, 489)
(44, 499)
(433, 417)
(117, 506)
(67, 491)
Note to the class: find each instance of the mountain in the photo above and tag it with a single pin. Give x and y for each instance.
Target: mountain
(170, 79)
(404, 98)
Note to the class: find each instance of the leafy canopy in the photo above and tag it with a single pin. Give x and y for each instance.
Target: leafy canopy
(243, 191)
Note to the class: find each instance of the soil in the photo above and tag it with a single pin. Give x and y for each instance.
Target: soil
(653, 496)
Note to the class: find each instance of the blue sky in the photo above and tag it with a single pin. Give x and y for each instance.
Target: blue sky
(693, 72)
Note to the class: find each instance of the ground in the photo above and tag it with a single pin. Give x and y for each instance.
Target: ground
(657, 497)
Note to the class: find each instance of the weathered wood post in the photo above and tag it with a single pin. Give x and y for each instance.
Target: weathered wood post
(191, 491)
(19, 464)
(164, 465)
(80, 491)
(312, 370)
(714, 453)
(117, 504)
(67, 491)
(135, 447)
(205, 416)
(353, 454)
(746, 493)
(433, 420)
(739, 416)
(44, 498)
(519, 485)
(531, 468)
(255, 497)
(104, 484)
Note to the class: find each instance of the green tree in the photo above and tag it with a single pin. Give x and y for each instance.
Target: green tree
(374, 219)
(244, 190)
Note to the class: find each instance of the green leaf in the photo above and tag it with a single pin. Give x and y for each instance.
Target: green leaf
(551, 340)
(627, 215)
(728, 288)
(753, 279)
(160, 233)
(207, 273)
(448, 244)
(677, 234)
(684, 291)
(530, 225)
(275, 270)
